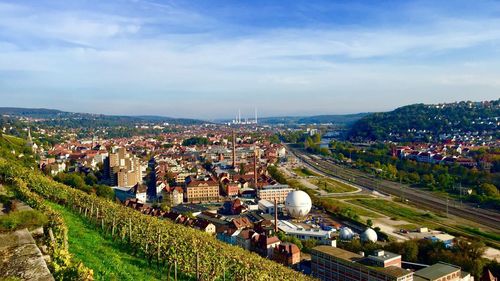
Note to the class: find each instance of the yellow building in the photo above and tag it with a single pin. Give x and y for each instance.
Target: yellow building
(202, 191)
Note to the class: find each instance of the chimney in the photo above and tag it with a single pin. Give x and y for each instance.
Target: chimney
(275, 216)
(255, 168)
(234, 150)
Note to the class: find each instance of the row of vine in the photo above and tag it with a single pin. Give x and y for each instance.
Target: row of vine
(62, 264)
(196, 253)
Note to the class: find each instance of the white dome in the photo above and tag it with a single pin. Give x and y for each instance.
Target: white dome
(346, 233)
(298, 204)
(369, 235)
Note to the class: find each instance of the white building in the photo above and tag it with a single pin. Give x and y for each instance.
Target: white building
(323, 237)
(270, 192)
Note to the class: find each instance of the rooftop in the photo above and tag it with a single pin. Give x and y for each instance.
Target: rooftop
(436, 271)
(383, 256)
(393, 271)
(277, 186)
(338, 253)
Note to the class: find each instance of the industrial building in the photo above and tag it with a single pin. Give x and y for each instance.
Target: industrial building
(331, 264)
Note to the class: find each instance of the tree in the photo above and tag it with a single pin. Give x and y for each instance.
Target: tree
(413, 178)
(488, 189)
(369, 222)
(90, 179)
(242, 169)
(72, 180)
(427, 180)
(445, 181)
(104, 191)
(309, 244)
(392, 171)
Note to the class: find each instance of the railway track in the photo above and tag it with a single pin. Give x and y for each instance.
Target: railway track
(419, 198)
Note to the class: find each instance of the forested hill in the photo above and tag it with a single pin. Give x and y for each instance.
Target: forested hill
(345, 119)
(71, 119)
(429, 121)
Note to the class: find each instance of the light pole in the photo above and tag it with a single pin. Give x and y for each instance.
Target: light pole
(446, 205)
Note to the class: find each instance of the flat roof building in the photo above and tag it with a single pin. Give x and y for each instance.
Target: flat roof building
(441, 271)
(330, 263)
(385, 259)
(270, 192)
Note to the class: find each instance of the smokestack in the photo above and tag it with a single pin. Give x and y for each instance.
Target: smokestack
(275, 215)
(255, 167)
(256, 115)
(234, 150)
(239, 116)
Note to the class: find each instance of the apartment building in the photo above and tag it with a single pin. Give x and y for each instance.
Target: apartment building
(270, 192)
(202, 191)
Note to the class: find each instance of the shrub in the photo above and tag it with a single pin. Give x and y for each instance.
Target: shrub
(22, 219)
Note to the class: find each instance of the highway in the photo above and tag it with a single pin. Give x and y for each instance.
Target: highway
(423, 199)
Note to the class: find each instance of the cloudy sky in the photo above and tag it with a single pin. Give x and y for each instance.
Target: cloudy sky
(207, 59)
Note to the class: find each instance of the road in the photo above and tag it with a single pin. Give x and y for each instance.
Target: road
(420, 198)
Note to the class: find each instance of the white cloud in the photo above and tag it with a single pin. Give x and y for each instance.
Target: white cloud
(315, 70)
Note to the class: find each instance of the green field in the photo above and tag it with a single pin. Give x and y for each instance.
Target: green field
(304, 172)
(393, 210)
(478, 232)
(296, 184)
(108, 259)
(331, 185)
(344, 205)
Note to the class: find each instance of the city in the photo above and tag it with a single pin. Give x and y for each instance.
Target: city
(183, 169)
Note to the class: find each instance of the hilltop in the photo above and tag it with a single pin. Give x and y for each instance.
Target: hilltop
(72, 119)
(430, 121)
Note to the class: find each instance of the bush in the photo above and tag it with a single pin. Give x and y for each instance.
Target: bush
(22, 219)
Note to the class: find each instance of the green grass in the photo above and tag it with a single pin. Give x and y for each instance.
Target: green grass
(393, 210)
(478, 232)
(22, 219)
(15, 140)
(356, 209)
(304, 172)
(331, 185)
(109, 259)
(298, 185)
(353, 196)
(409, 226)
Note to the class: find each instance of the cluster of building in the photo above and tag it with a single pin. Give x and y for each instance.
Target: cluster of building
(223, 187)
(448, 154)
(248, 223)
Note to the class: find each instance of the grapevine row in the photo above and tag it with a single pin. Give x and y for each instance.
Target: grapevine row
(196, 253)
(62, 264)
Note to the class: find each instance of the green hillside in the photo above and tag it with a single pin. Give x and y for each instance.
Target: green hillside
(427, 121)
(14, 148)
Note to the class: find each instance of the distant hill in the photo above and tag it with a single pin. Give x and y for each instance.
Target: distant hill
(416, 121)
(346, 119)
(63, 118)
(32, 112)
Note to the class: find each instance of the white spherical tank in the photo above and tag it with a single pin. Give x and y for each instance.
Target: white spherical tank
(346, 233)
(298, 204)
(369, 235)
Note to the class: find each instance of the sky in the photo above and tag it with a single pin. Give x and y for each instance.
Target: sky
(208, 59)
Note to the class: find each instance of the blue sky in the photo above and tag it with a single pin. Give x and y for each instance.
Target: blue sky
(207, 59)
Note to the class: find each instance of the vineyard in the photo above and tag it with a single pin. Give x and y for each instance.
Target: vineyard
(162, 242)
